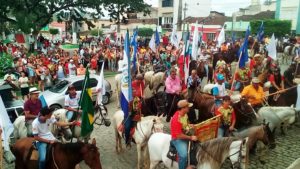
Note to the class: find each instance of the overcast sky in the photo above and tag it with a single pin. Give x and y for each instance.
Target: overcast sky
(227, 6)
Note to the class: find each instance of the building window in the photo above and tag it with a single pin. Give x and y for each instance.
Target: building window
(167, 3)
(211, 36)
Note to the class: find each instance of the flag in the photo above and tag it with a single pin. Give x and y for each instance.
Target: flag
(243, 52)
(43, 101)
(221, 37)
(272, 48)
(174, 39)
(152, 44)
(6, 126)
(101, 85)
(195, 42)
(261, 32)
(157, 39)
(135, 47)
(126, 89)
(86, 103)
(186, 56)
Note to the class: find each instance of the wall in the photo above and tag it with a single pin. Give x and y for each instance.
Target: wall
(289, 11)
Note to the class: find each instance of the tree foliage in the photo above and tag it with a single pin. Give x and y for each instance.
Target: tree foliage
(278, 27)
(53, 31)
(36, 14)
(6, 62)
(94, 32)
(145, 32)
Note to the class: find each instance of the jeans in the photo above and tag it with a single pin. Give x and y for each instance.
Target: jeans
(128, 125)
(69, 115)
(182, 150)
(237, 86)
(42, 148)
(221, 132)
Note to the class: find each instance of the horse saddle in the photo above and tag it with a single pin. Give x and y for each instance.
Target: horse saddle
(173, 155)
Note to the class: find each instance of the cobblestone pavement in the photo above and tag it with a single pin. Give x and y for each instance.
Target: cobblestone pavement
(287, 150)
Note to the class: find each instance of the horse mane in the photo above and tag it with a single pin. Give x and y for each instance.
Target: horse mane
(213, 150)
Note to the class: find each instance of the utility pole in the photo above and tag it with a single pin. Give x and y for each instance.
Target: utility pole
(179, 18)
(184, 10)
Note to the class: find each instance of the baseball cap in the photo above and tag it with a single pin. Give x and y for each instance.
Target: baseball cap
(220, 77)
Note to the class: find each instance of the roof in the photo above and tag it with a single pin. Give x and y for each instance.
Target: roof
(259, 16)
(213, 21)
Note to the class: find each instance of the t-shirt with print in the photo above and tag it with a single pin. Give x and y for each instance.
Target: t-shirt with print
(42, 129)
(72, 102)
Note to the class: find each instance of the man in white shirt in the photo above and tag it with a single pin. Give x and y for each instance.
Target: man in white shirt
(42, 134)
(72, 102)
(72, 68)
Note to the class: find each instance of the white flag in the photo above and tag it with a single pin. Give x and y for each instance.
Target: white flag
(101, 86)
(174, 39)
(6, 126)
(221, 37)
(272, 48)
(195, 43)
(152, 44)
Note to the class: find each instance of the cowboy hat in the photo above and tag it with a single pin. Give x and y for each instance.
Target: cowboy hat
(184, 103)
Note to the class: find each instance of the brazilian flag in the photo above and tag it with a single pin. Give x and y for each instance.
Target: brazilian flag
(87, 107)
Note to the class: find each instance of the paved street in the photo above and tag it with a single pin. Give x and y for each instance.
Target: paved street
(287, 150)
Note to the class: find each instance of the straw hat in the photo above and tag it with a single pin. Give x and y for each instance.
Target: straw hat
(184, 103)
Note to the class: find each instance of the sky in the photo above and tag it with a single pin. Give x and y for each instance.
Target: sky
(227, 6)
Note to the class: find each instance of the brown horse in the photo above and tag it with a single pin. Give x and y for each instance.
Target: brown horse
(204, 103)
(244, 114)
(60, 156)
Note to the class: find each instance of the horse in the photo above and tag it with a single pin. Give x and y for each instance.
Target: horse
(244, 113)
(288, 53)
(143, 131)
(100, 118)
(204, 103)
(60, 155)
(260, 133)
(118, 79)
(277, 116)
(154, 80)
(209, 155)
(154, 105)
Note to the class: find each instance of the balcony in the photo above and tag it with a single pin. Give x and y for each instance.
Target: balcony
(167, 3)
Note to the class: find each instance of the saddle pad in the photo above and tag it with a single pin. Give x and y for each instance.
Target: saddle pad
(34, 155)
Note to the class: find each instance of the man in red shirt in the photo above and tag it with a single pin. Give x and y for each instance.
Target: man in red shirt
(179, 127)
(32, 109)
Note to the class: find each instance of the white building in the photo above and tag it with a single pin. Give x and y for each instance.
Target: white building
(256, 7)
(168, 10)
(289, 11)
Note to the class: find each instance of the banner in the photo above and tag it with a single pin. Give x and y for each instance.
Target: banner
(208, 129)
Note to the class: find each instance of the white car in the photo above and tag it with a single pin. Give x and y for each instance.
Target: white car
(55, 96)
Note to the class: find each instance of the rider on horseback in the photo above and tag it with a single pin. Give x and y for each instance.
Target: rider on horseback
(243, 77)
(42, 134)
(227, 117)
(72, 102)
(179, 129)
(219, 90)
(134, 106)
(254, 93)
(32, 108)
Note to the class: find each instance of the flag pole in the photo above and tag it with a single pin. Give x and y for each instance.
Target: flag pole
(1, 151)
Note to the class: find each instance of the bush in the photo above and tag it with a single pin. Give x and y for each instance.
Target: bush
(53, 31)
(145, 32)
(278, 27)
(6, 62)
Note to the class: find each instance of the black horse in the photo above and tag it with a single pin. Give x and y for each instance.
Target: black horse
(155, 105)
(244, 114)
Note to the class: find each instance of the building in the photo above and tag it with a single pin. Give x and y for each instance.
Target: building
(190, 8)
(289, 10)
(256, 7)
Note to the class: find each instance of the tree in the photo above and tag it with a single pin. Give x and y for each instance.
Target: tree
(278, 27)
(53, 31)
(95, 32)
(145, 32)
(118, 9)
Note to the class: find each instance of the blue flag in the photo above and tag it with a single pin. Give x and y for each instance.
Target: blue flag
(243, 52)
(126, 89)
(261, 32)
(157, 39)
(135, 47)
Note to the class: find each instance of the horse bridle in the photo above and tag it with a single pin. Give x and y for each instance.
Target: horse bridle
(142, 132)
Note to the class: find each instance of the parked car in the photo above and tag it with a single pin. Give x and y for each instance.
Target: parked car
(55, 96)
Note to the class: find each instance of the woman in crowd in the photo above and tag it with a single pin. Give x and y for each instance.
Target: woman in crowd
(24, 85)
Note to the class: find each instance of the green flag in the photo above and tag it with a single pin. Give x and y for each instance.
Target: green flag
(87, 107)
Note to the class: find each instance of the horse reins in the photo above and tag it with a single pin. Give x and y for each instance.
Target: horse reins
(55, 164)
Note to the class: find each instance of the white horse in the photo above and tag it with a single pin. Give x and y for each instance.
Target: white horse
(287, 55)
(277, 116)
(143, 131)
(207, 88)
(154, 80)
(118, 79)
(210, 154)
